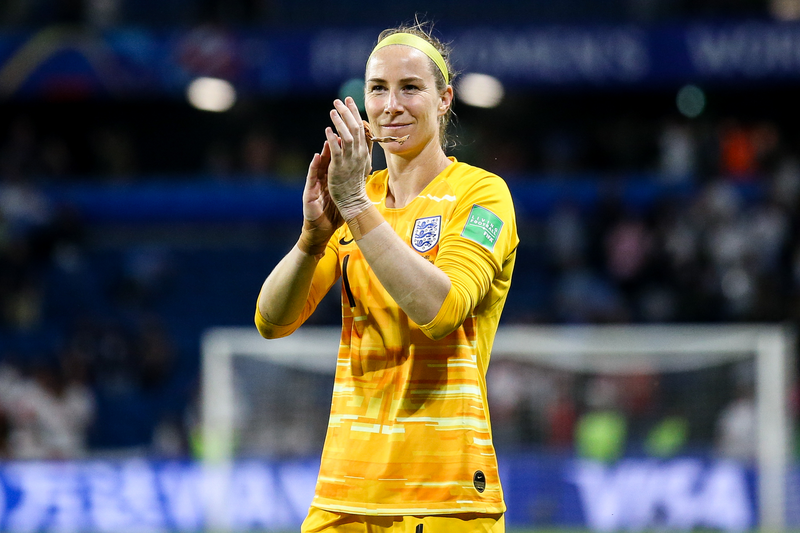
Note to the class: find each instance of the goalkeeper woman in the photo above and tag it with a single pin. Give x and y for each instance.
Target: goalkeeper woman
(425, 250)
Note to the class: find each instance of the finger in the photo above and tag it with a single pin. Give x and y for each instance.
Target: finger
(341, 127)
(351, 116)
(324, 163)
(353, 107)
(312, 179)
(334, 143)
(313, 168)
(325, 157)
(348, 110)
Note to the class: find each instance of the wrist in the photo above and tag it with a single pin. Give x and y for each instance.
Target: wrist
(365, 221)
(351, 207)
(309, 243)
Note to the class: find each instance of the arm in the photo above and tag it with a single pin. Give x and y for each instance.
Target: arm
(418, 287)
(285, 292)
(477, 252)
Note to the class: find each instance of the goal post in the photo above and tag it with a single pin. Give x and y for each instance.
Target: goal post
(613, 349)
(310, 348)
(604, 349)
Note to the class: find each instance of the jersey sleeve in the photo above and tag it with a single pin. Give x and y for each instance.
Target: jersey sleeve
(325, 275)
(475, 245)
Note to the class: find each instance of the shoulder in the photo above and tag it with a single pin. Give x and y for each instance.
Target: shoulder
(466, 179)
(464, 175)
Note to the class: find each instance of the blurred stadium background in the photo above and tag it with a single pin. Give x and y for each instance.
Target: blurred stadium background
(151, 161)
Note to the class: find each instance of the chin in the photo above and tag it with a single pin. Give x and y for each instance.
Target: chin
(398, 149)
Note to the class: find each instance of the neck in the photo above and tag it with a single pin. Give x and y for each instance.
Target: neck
(409, 175)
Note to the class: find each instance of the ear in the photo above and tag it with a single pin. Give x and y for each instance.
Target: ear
(446, 100)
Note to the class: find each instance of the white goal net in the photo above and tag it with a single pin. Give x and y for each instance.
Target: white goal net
(269, 399)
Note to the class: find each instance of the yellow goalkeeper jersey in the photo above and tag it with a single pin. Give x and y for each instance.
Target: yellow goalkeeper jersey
(409, 430)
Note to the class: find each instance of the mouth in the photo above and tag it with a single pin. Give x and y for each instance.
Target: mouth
(392, 128)
(386, 139)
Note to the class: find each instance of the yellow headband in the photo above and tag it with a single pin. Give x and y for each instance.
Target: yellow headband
(420, 44)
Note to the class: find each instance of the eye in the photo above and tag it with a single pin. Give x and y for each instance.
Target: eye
(376, 88)
(411, 87)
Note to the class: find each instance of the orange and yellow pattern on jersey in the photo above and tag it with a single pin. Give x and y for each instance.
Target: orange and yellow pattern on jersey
(409, 430)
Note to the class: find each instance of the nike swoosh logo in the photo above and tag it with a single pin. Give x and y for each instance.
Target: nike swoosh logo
(343, 242)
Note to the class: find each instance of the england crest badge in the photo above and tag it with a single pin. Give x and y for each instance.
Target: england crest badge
(426, 233)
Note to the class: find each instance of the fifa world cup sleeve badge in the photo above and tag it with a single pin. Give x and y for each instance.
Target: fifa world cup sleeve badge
(483, 227)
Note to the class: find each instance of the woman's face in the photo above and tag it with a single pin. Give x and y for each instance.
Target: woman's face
(401, 98)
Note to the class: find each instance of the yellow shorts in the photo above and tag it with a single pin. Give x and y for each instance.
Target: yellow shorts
(319, 521)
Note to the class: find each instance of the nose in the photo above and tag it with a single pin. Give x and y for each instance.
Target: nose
(393, 105)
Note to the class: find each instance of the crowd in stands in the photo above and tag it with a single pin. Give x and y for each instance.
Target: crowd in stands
(72, 347)
(92, 362)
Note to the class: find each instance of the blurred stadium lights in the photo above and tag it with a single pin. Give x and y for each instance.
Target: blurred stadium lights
(211, 94)
(480, 90)
(691, 101)
(785, 9)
